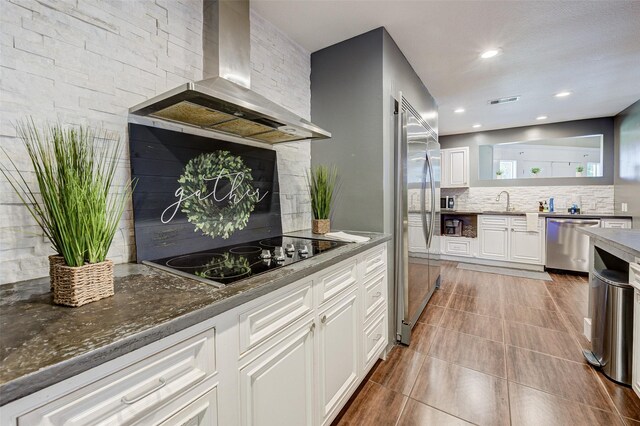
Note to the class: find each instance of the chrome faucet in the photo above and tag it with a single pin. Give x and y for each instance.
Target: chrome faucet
(508, 198)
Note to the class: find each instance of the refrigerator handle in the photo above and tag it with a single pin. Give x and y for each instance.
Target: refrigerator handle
(433, 201)
(423, 195)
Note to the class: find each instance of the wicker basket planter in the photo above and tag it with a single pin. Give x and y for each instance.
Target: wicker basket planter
(77, 286)
(320, 226)
(54, 260)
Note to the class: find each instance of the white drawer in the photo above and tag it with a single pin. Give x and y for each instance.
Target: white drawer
(135, 391)
(375, 293)
(262, 322)
(339, 279)
(374, 261)
(490, 220)
(457, 246)
(521, 223)
(375, 336)
(616, 223)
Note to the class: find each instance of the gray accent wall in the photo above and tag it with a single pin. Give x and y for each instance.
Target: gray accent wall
(353, 89)
(593, 126)
(627, 162)
(346, 99)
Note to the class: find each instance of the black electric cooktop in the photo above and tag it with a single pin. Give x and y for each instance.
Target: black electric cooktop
(227, 265)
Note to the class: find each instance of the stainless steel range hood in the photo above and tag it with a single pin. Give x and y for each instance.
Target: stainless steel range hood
(223, 101)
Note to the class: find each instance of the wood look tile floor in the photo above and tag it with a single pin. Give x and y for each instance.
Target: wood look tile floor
(494, 350)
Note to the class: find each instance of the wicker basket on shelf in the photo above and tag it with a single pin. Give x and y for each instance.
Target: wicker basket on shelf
(79, 285)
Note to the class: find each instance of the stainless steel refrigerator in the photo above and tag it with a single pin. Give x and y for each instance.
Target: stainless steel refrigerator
(417, 216)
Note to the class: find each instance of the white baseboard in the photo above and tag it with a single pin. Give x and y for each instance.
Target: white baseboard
(488, 262)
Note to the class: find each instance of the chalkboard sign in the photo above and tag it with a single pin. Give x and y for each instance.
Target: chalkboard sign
(195, 193)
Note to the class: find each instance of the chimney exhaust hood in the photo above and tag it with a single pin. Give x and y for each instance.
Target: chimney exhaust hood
(223, 101)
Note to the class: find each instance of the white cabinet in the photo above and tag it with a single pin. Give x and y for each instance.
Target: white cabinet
(634, 280)
(291, 357)
(526, 246)
(506, 238)
(282, 372)
(141, 390)
(338, 355)
(455, 168)
(615, 223)
(459, 246)
(494, 237)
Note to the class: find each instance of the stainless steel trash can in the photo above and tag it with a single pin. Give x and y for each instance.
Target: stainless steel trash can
(611, 301)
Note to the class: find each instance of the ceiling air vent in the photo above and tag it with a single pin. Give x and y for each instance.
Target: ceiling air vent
(503, 100)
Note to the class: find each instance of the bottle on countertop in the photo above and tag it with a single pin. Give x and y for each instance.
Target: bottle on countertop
(546, 207)
(540, 207)
(551, 206)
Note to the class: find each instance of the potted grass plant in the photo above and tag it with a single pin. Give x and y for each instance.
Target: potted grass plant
(73, 202)
(535, 171)
(322, 184)
(499, 173)
(579, 170)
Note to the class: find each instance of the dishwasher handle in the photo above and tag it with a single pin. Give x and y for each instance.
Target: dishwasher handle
(576, 221)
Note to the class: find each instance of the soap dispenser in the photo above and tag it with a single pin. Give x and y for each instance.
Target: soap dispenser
(546, 207)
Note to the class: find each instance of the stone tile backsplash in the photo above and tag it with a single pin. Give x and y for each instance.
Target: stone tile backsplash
(591, 198)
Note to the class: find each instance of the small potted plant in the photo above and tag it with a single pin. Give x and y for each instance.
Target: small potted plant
(535, 171)
(322, 185)
(579, 170)
(499, 173)
(74, 204)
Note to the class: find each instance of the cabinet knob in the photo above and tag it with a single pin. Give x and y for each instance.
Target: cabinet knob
(378, 294)
(323, 319)
(313, 327)
(378, 337)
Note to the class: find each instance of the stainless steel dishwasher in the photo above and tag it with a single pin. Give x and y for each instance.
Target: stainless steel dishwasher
(567, 248)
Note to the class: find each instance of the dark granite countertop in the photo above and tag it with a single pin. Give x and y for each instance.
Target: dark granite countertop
(626, 240)
(42, 343)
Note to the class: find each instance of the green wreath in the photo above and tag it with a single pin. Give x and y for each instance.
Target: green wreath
(206, 214)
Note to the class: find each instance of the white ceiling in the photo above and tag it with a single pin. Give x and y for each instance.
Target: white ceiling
(591, 48)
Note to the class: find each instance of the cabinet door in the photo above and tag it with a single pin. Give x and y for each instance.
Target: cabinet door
(455, 168)
(276, 388)
(458, 165)
(494, 243)
(526, 247)
(338, 351)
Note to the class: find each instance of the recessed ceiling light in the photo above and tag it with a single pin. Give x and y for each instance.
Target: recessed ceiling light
(541, 117)
(562, 94)
(490, 53)
(459, 110)
(475, 126)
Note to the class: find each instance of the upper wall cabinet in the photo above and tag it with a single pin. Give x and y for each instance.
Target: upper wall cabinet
(455, 168)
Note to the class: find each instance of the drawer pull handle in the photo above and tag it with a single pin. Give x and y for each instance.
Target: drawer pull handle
(323, 319)
(378, 337)
(378, 294)
(161, 383)
(313, 327)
